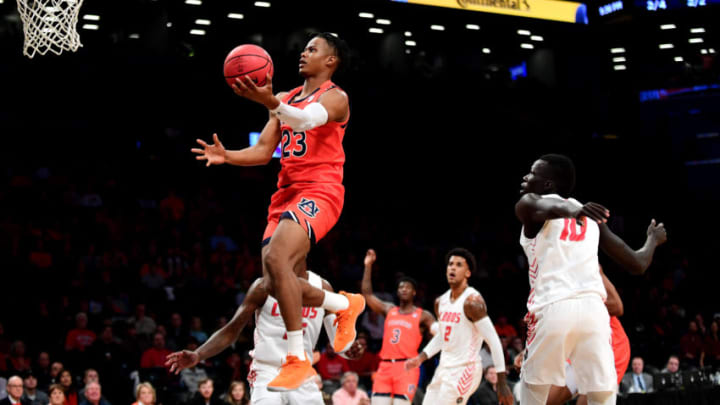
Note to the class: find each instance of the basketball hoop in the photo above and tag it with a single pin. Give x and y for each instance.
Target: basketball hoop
(49, 26)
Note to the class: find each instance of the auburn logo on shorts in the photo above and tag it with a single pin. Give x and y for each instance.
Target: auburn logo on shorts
(308, 207)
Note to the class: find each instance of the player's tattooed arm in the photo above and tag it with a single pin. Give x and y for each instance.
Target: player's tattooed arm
(475, 308)
(613, 302)
(376, 304)
(635, 261)
(224, 336)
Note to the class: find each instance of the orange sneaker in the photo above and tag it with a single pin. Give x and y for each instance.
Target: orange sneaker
(293, 373)
(345, 321)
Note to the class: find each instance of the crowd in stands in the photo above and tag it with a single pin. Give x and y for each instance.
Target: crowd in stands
(105, 275)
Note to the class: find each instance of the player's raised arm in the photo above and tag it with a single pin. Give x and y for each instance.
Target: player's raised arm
(476, 310)
(224, 336)
(635, 261)
(375, 303)
(613, 302)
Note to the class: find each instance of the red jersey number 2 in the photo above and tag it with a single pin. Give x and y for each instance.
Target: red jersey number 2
(570, 231)
(448, 329)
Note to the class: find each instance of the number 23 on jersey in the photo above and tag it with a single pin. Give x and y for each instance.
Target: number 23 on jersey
(293, 144)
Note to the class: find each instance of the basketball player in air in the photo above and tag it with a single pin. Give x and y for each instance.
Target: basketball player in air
(270, 343)
(464, 324)
(620, 348)
(310, 120)
(567, 318)
(404, 327)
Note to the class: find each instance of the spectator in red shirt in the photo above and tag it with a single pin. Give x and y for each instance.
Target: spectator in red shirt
(331, 366)
(18, 362)
(366, 365)
(503, 328)
(712, 346)
(81, 337)
(156, 355)
(691, 345)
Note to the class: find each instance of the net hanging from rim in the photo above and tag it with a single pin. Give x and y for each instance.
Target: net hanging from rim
(49, 26)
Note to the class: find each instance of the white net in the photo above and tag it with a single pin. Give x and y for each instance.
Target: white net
(49, 26)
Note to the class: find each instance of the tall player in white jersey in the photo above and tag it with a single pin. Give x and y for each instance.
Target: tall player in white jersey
(464, 323)
(270, 343)
(567, 318)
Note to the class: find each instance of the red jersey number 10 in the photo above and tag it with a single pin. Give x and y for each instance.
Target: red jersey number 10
(570, 231)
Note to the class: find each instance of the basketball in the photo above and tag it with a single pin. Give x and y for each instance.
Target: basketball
(250, 60)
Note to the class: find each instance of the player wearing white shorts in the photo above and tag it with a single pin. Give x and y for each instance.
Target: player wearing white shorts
(270, 343)
(464, 323)
(567, 318)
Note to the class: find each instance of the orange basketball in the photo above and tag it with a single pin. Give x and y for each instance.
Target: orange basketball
(250, 60)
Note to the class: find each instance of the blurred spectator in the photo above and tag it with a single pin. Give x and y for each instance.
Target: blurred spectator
(374, 324)
(331, 366)
(712, 347)
(3, 388)
(66, 381)
(672, 366)
(4, 341)
(15, 392)
(220, 239)
(327, 398)
(237, 394)
(176, 332)
(204, 396)
(191, 377)
(172, 207)
(18, 362)
(81, 337)
(637, 380)
(156, 355)
(55, 370)
(504, 328)
(485, 355)
(196, 330)
(90, 375)
(107, 355)
(93, 395)
(691, 345)
(516, 347)
(366, 365)
(42, 371)
(32, 394)
(145, 394)
(349, 394)
(144, 325)
(57, 394)
(486, 393)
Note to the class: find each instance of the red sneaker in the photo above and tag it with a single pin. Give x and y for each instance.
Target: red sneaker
(293, 373)
(345, 321)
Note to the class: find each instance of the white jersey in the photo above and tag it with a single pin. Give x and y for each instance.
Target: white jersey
(270, 335)
(461, 339)
(563, 259)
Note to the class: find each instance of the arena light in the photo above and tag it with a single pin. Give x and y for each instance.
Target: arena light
(711, 50)
(201, 21)
(382, 21)
(473, 27)
(410, 43)
(617, 50)
(698, 30)
(376, 30)
(193, 2)
(527, 46)
(236, 16)
(91, 27)
(169, 24)
(618, 59)
(335, 34)
(197, 32)
(678, 59)
(486, 50)
(537, 38)
(619, 67)
(668, 27)
(523, 32)
(91, 17)
(704, 51)
(666, 46)
(134, 36)
(408, 33)
(366, 15)
(264, 4)
(436, 27)
(695, 40)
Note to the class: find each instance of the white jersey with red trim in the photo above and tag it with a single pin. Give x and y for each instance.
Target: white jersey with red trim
(270, 335)
(563, 260)
(461, 339)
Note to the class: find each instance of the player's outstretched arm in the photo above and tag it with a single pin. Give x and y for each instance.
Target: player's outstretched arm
(223, 337)
(376, 304)
(635, 261)
(533, 209)
(613, 303)
(430, 349)
(476, 310)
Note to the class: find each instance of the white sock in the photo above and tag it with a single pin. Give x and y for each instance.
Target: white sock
(335, 302)
(295, 344)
